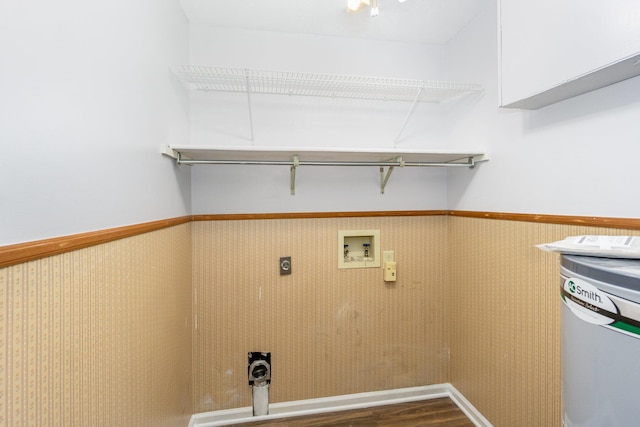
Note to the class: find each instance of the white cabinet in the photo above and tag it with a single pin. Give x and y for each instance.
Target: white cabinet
(553, 50)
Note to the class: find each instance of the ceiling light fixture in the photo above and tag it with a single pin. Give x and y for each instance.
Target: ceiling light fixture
(375, 10)
(353, 5)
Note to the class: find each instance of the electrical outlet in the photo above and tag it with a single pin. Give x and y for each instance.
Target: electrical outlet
(388, 256)
(285, 265)
(390, 271)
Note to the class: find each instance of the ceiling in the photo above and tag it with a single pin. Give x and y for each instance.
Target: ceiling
(414, 21)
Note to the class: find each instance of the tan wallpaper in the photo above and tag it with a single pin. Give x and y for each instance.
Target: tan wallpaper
(108, 335)
(329, 331)
(99, 336)
(505, 318)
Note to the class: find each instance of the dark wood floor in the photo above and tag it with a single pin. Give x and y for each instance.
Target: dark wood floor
(431, 413)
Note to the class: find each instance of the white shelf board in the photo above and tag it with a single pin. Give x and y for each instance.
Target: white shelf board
(345, 156)
(294, 157)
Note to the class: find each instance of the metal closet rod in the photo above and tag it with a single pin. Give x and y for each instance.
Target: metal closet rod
(470, 163)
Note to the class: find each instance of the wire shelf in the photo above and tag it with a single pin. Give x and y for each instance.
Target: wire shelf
(222, 79)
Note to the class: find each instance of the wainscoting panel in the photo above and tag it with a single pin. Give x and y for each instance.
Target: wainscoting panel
(149, 328)
(99, 336)
(505, 318)
(330, 332)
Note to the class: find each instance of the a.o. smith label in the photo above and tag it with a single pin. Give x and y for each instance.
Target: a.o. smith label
(599, 308)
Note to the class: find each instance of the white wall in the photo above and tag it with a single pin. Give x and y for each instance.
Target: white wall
(222, 119)
(87, 99)
(86, 102)
(577, 157)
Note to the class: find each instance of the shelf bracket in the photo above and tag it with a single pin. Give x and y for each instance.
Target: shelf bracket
(249, 104)
(409, 114)
(385, 178)
(471, 162)
(294, 166)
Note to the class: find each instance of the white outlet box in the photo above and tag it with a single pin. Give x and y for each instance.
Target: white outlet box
(388, 256)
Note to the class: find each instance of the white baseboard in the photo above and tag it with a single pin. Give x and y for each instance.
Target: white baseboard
(340, 403)
(469, 410)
